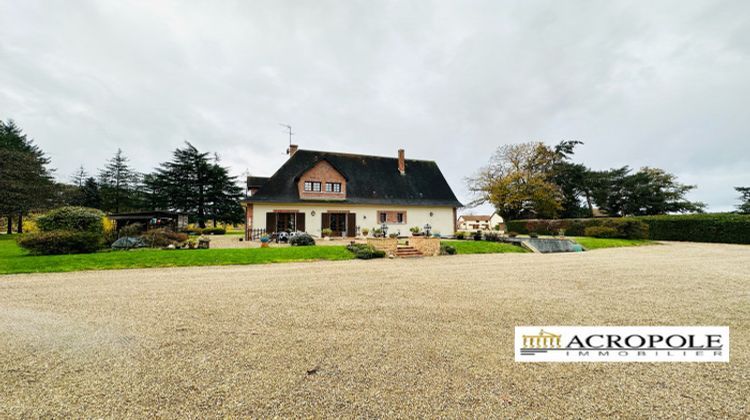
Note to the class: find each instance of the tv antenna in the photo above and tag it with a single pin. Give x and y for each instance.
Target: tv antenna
(288, 131)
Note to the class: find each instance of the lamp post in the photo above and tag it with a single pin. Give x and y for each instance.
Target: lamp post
(384, 228)
(427, 229)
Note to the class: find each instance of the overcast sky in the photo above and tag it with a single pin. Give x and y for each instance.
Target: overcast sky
(662, 83)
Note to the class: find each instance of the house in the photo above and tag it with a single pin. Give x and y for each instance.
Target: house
(479, 222)
(346, 193)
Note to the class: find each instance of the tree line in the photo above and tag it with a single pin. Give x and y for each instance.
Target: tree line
(192, 182)
(534, 180)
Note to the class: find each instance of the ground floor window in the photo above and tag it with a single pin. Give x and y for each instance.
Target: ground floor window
(392, 216)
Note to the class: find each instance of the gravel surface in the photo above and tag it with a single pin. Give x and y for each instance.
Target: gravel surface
(425, 337)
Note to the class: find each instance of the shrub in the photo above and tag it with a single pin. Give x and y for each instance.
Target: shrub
(193, 230)
(78, 219)
(365, 251)
(301, 239)
(61, 242)
(447, 249)
(533, 235)
(492, 237)
(377, 232)
(163, 237)
(393, 235)
(326, 232)
(214, 231)
(602, 232)
(478, 235)
(133, 229)
(512, 234)
(460, 235)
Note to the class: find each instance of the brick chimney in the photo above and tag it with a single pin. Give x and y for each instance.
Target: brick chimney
(292, 150)
(401, 162)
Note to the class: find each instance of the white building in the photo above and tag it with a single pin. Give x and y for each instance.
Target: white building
(347, 193)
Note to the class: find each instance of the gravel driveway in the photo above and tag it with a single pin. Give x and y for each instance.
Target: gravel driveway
(425, 337)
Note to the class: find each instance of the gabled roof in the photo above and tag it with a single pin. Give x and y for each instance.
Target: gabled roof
(256, 181)
(370, 180)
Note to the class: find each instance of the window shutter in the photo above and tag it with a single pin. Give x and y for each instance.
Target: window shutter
(270, 222)
(301, 222)
(351, 225)
(325, 221)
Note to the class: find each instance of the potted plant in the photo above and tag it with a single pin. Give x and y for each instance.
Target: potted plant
(415, 231)
(264, 241)
(326, 233)
(365, 232)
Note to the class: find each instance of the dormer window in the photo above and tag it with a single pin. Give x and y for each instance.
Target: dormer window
(334, 187)
(312, 186)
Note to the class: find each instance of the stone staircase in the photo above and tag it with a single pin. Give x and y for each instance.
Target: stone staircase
(405, 251)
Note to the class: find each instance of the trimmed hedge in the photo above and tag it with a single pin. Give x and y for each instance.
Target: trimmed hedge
(81, 219)
(716, 227)
(61, 242)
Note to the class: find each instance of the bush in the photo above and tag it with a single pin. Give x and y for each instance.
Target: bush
(492, 237)
(512, 234)
(214, 231)
(193, 230)
(627, 228)
(157, 238)
(393, 235)
(326, 232)
(478, 235)
(365, 251)
(533, 235)
(77, 219)
(447, 249)
(601, 232)
(460, 235)
(133, 229)
(61, 242)
(301, 239)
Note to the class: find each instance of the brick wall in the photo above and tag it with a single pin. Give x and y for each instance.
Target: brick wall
(322, 172)
(388, 245)
(427, 246)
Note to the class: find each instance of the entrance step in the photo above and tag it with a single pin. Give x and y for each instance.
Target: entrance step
(408, 252)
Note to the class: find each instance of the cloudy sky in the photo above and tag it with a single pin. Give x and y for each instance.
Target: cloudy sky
(664, 83)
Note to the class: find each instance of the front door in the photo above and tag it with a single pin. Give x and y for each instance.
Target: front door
(285, 222)
(338, 223)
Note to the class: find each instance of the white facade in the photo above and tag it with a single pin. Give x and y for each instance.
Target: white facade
(440, 218)
(472, 222)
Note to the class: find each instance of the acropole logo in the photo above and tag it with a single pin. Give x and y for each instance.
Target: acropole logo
(621, 344)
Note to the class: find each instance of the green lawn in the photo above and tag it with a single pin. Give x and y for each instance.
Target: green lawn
(483, 247)
(14, 260)
(598, 243)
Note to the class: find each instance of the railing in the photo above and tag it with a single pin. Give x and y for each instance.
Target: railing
(256, 234)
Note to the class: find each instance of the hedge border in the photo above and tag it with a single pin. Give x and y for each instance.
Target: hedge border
(713, 227)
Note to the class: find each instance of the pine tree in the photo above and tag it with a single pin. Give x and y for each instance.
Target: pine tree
(744, 206)
(118, 184)
(25, 180)
(193, 184)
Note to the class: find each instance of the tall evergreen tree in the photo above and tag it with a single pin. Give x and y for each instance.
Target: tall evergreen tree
(744, 206)
(118, 183)
(194, 184)
(25, 180)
